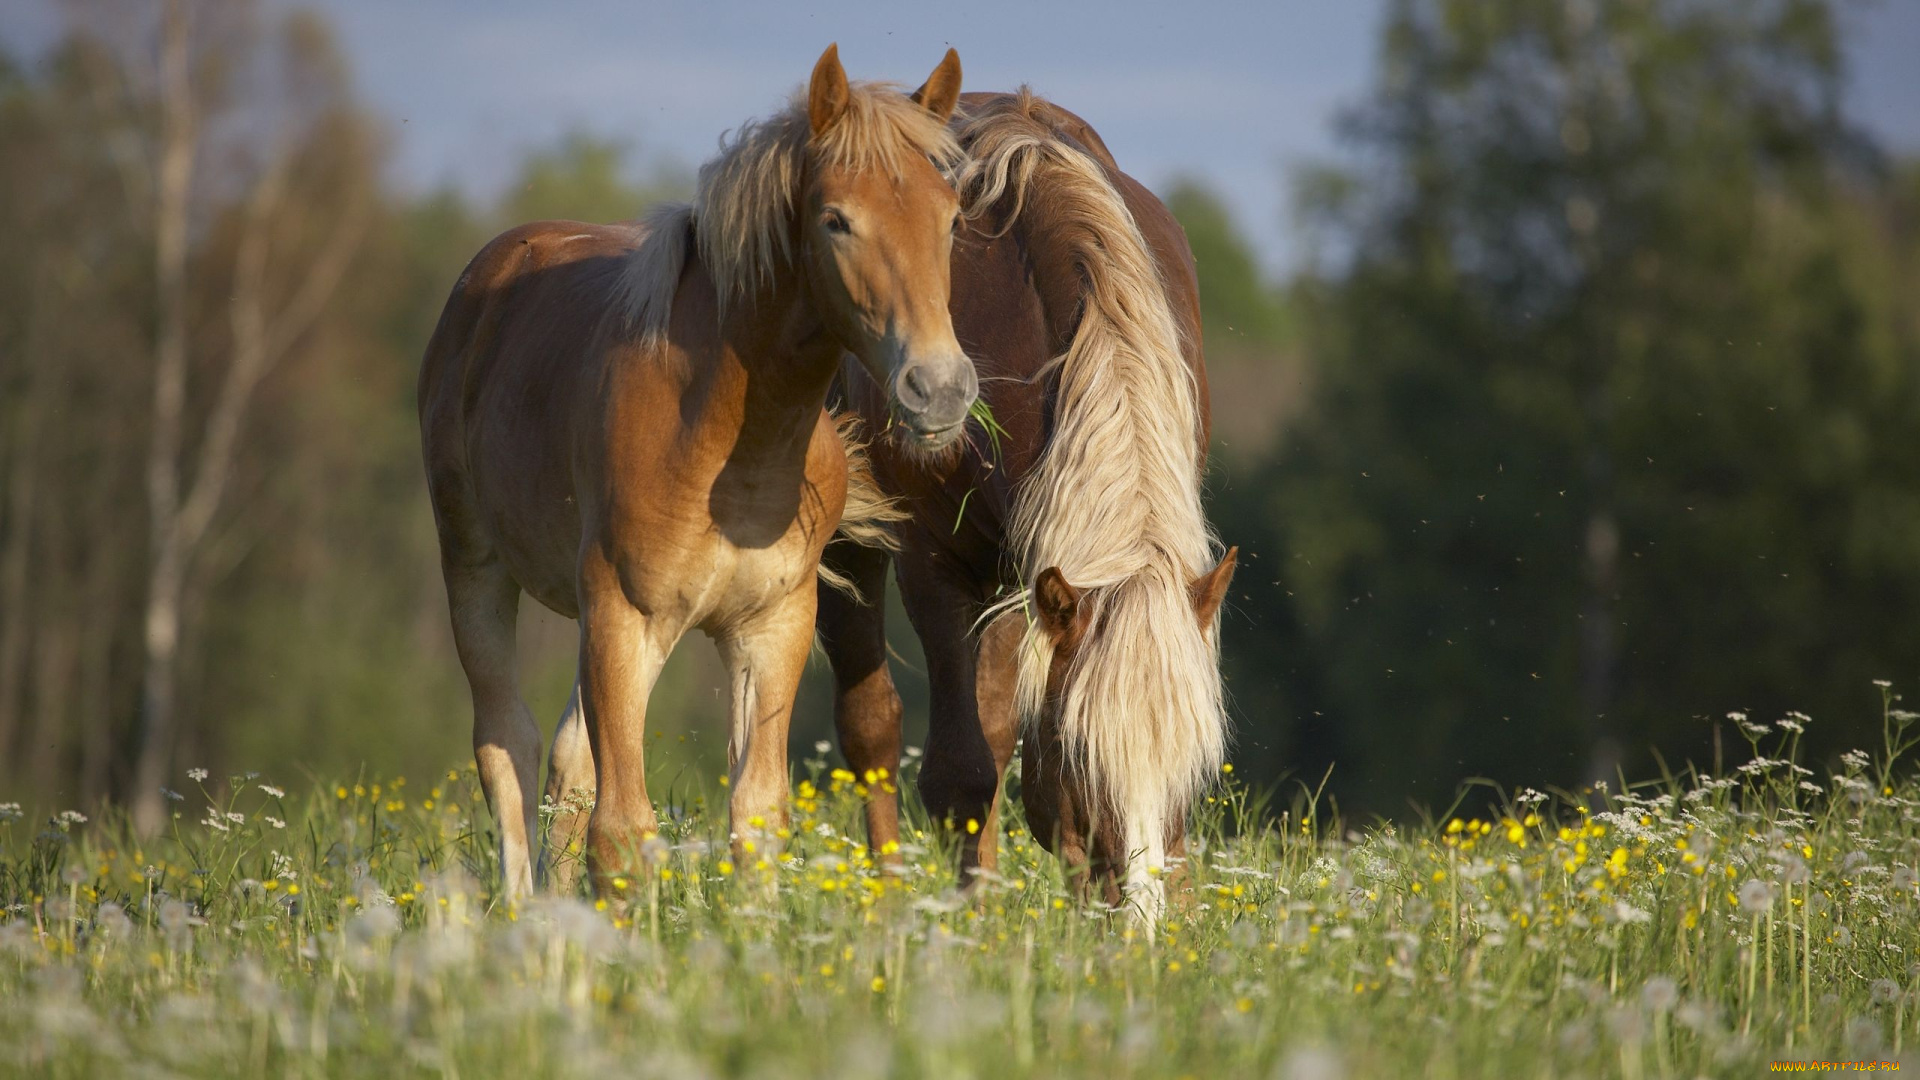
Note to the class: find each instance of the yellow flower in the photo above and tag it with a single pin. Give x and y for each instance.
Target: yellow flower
(972, 826)
(878, 985)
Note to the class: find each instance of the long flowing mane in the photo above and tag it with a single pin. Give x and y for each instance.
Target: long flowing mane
(741, 221)
(1114, 501)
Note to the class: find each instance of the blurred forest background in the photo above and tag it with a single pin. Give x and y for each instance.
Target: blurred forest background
(1590, 417)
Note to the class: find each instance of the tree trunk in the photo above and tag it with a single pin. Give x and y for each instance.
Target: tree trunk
(161, 626)
(16, 543)
(15, 607)
(96, 683)
(58, 649)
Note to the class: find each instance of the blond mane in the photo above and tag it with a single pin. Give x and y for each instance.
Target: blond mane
(1114, 501)
(741, 222)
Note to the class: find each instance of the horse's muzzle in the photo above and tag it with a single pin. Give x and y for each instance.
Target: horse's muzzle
(933, 398)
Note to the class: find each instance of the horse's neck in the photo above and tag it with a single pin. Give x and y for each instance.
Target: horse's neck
(775, 366)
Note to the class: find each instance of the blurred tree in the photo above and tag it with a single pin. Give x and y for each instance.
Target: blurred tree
(585, 178)
(1610, 404)
(1255, 366)
(304, 243)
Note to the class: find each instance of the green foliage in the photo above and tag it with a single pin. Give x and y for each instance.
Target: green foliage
(1611, 405)
(1700, 926)
(1236, 307)
(585, 178)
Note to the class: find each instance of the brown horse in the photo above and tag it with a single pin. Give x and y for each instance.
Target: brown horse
(626, 422)
(1076, 533)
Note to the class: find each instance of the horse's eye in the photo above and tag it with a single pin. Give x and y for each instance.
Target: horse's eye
(955, 227)
(835, 222)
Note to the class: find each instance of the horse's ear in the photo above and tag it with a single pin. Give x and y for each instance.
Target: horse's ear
(827, 94)
(941, 92)
(1210, 589)
(1057, 602)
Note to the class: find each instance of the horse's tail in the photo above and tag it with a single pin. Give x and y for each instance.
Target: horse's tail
(870, 512)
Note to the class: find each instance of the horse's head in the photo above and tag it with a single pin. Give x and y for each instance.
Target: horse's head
(1130, 726)
(876, 232)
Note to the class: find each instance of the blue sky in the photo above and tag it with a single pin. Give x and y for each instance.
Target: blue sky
(1233, 93)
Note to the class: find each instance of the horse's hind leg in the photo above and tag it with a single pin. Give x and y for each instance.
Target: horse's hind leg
(866, 707)
(485, 603)
(571, 788)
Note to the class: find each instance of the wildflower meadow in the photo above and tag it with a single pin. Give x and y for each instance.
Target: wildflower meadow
(1699, 925)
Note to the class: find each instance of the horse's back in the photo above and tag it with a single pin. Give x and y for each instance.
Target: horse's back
(501, 387)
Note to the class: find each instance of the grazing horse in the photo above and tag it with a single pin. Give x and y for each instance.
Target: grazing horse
(626, 422)
(1071, 527)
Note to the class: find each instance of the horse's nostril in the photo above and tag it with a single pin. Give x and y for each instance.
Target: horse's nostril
(913, 391)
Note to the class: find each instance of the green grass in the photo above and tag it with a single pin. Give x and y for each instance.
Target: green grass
(1700, 926)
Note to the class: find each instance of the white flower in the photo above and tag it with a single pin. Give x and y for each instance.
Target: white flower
(1627, 913)
(10, 811)
(69, 818)
(196, 775)
(275, 822)
(1755, 897)
(273, 791)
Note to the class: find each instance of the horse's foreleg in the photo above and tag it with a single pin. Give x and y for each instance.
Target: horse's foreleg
(484, 601)
(764, 660)
(570, 788)
(972, 728)
(866, 707)
(620, 657)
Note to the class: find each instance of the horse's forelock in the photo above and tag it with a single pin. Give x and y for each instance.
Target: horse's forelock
(745, 197)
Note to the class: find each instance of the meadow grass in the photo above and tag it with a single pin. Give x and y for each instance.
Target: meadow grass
(1704, 925)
